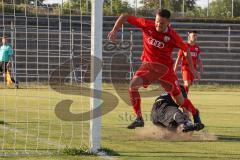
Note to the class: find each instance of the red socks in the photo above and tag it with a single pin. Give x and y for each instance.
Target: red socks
(136, 102)
(189, 106)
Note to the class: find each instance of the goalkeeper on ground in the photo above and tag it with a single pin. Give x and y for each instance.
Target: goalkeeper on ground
(166, 113)
(6, 52)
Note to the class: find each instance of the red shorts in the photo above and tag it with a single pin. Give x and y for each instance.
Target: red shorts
(150, 72)
(187, 76)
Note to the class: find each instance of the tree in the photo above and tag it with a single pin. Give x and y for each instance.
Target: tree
(197, 12)
(190, 4)
(223, 8)
(172, 5)
(118, 7)
(32, 2)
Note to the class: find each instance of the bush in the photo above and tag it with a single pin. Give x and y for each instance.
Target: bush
(76, 152)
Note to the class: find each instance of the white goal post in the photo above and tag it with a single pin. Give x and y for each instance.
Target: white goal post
(96, 83)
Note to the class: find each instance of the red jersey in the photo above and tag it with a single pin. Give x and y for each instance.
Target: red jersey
(157, 47)
(195, 52)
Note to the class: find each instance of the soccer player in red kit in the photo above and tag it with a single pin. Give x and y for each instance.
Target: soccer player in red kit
(159, 39)
(187, 75)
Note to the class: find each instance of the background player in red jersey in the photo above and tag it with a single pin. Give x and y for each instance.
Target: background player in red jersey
(159, 39)
(187, 75)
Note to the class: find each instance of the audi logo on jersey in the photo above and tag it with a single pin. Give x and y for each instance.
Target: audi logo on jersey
(155, 42)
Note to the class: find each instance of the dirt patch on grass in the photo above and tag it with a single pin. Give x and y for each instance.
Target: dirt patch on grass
(158, 133)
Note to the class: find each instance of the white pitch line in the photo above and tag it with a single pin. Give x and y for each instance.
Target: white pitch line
(105, 156)
(43, 140)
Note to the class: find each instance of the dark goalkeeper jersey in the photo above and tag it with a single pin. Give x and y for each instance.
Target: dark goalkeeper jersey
(166, 113)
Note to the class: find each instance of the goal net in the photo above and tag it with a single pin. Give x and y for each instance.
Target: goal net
(52, 63)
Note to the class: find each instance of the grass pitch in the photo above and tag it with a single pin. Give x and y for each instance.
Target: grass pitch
(29, 125)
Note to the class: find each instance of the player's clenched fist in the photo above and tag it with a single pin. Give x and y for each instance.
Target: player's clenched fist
(112, 35)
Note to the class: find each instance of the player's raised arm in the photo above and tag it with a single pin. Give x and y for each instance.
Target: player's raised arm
(120, 21)
(135, 21)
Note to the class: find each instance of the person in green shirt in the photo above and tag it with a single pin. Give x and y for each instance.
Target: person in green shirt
(6, 53)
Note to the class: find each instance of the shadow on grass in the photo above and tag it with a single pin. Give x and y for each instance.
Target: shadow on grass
(200, 157)
(188, 155)
(228, 138)
(3, 123)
